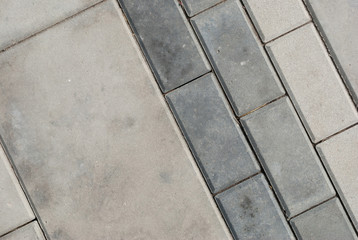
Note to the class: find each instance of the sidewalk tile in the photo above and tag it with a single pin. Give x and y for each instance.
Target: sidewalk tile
(238, 59)
(30, 231)
(167, 40)
(215, 138)
(324, 222)
(340, 156)
(193, 7)
(14, 208)
(312, 82)
(274, 18)
(288, 157)
(252, 212)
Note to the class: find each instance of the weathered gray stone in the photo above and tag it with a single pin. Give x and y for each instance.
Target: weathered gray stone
(21, 19)
(93, 139)
(328, 221)
(312, 82)
(14, 208)
(340, 156)
(215, 138)
(252, 212)
(288, 157)
(337, 21)
(238, 59)
(167, 40)
(193, 7)
(274, 18)
(30, 231)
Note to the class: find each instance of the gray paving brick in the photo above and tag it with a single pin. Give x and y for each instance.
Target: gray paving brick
(193, 7)
(327, 221)
(238, 59)
(252, 211)
(340, 156)
(167, 41)
(274, 18)
(30, 231)
(288, 157)
(212, 133)
(312, 82)
(14, 208)
(337, 21)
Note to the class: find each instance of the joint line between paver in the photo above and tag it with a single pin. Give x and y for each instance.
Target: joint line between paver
(286, 33)
(18, 227)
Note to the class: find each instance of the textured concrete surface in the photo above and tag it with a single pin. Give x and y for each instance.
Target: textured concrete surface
(238, 59)
(274, 18)
(167, 41)
(20, 19)
(73, 114)
(212, 133)
(340, 156)
(312, 82)
(337, 21)
(288, 157)
(325, 222)
(30, 231)
(252, 211)
(14, 208)
(193, 7)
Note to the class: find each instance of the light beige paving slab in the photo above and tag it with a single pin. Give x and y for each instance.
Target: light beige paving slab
(94, 141)
(312, 82)
(14, 208)
(273, 18)
(22, 18)
(340, 155)
(30, 231)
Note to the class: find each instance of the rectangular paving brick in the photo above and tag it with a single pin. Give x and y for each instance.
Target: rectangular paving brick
(213, 135)
(274, 18)
(238, 59)
(167, 40)
(312, 82)
(193, 7)
(337, 21)
(326, 221)
(30, 231)
(14, 208)
(340, 156)
(288, 157)
(252, 212)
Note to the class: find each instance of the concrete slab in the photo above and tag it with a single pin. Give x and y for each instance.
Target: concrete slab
(312, 82)
(340, 155)
(14, 208)
(20, 19)
(93, 140)
(193, 7)
(30, 231)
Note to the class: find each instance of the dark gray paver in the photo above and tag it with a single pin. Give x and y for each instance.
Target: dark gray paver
(238, 59)
(288, 157)
(327, 221)
(193, 7)
(167, 41)
(337, 21)
(252, 212)
(30, 231)
(212, 133)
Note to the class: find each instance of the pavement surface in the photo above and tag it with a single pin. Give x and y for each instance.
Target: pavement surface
(169, 119)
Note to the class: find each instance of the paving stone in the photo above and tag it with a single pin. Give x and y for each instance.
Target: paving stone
(337, 21)
(328, 221)
(213, 135)
(167, 40)
(93, 139)
(312, 82)
(274, 18)
(14, 208)
(30, 231)
(340, 156)
(288, 157)
(193, 7)
(238, 59)
(20, 19)
(252, 211)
